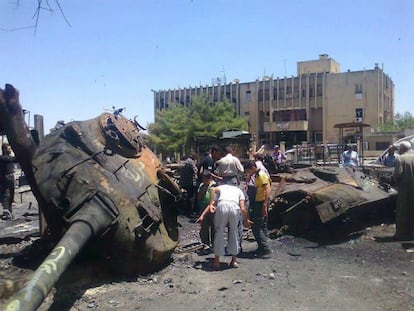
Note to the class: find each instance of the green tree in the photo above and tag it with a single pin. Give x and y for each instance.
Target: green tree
(404, 121)
(401, 121)
(168, 133)
(176, 128)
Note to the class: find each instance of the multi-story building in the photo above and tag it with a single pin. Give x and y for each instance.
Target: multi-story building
(302, 108)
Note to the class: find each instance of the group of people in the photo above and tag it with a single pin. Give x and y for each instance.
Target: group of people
(225, 206)
(350, 157)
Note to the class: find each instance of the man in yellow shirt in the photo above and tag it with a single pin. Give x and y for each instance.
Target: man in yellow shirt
(258, 209)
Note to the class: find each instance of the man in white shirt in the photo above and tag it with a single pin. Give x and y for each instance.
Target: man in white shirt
(350, 157)
(229, 166)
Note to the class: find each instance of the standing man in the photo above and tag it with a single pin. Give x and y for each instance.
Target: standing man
(206, 218)
(187, 181)
(205, 164)
(278, 156)
(259, 208)
(350, 157)
(250, 182)
(391, 157)
(7, 180)
(229, 166)
(404, 179)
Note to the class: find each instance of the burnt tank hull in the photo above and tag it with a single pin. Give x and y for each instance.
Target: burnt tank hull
(315, 196)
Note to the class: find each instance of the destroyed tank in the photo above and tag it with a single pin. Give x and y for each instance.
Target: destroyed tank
(95, 181)
(310, 198)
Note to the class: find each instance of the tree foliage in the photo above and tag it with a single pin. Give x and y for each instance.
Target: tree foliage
(401, 121)
(175, 129)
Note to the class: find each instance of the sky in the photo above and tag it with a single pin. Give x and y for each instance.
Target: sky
(111, 53)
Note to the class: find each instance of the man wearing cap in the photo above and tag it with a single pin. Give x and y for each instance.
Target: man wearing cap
(404, 179)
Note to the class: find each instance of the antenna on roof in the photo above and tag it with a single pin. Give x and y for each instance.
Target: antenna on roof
(224, 75)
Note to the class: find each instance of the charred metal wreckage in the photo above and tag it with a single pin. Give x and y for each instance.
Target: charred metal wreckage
(94, 180)
(311, 197)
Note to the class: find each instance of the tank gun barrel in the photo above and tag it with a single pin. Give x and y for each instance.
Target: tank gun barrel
(31, 296)
(92, 220)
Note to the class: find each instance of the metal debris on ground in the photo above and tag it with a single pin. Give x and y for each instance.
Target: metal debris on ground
(189, 248)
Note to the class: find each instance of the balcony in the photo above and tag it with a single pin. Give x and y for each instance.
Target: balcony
(278, 126)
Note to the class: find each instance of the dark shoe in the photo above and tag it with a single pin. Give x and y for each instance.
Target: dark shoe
(264, 253)
(206, 251)
(7, 215)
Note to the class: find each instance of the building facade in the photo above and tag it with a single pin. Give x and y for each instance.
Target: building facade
(302, 108)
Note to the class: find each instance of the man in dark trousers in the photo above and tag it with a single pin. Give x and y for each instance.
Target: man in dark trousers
(187, 181)
(7, 180)
(259, 208)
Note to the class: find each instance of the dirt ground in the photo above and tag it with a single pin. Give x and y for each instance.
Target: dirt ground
(361, 270)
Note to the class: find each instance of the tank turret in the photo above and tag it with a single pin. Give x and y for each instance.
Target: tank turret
(97, 181)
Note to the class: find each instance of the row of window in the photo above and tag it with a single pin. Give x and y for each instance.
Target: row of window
(280, 93)
(288, 94)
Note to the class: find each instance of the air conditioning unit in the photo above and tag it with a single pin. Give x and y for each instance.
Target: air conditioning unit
(358, 119)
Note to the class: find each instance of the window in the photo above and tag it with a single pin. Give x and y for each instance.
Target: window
(359, 114)
(300, 114)
(267, 94)
(281, 93)
(319, 90)
(358, 88)
(382, 145)
(248, 96)
(303, 93)
(296, 93)
(311, 92)
(260, 95)
(283, 115)
(267, 116)
(275, 93)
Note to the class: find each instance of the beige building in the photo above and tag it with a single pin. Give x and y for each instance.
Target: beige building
(302, 108)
